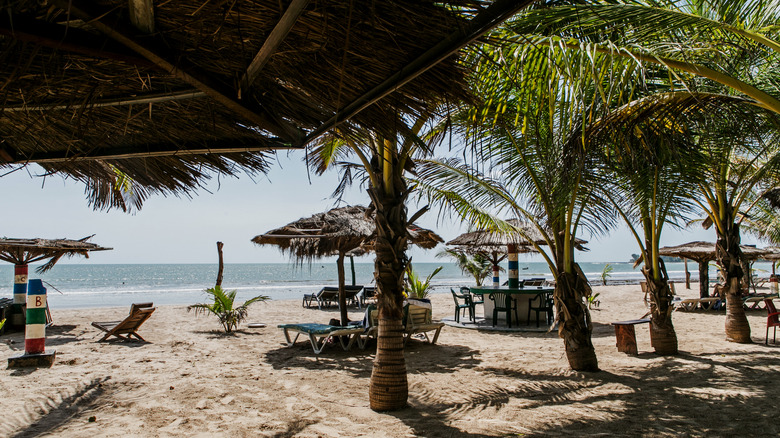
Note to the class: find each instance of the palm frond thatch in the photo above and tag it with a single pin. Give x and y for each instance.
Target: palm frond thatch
(20, 251)
(340, 230)
(212, 87)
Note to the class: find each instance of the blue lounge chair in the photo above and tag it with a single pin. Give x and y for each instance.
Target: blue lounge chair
(320, 334)
(324, 297)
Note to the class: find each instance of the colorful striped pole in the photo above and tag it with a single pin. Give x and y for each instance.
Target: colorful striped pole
(20, 296)
(496, 281)
(512, 272)
(35, 332)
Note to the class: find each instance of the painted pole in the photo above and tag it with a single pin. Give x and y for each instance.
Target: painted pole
(512, 273)
(496, 280)
(20, 297)
(35, 332)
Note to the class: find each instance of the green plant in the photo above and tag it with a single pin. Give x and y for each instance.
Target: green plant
(416, 288)
(223, 307)
(606, 273)
(476, 265)
(592, 301)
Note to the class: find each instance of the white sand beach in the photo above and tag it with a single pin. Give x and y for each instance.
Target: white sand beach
(189, 379)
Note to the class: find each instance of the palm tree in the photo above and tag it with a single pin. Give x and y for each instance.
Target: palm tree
(383, 162)
(543, 170)
(652, 159)
(476, 265)
(706, 45)
(741, 154)
(224, 307)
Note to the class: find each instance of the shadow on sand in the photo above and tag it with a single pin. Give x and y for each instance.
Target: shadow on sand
(739, 400)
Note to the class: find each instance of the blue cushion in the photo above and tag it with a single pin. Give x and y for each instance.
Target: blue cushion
(313, 328)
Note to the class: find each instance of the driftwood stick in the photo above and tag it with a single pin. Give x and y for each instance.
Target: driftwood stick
(221, 263)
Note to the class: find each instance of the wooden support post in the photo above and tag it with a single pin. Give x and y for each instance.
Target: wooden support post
(221, 264)
(35, 332)
(16, 323)
(513, 275)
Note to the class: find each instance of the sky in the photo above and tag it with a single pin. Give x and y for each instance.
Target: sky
(231, 210)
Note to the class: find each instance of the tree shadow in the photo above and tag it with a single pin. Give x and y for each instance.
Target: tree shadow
(687, 394)
(359, 362)
(53, 415)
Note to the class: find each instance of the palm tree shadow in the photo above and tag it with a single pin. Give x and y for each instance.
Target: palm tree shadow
(686, 394)
(419, 356)
(55, 415)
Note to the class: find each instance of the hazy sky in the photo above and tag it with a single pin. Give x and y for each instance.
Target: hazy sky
(182, 230)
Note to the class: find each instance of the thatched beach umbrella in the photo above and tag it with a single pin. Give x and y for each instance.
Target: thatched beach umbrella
(337, 231)
(704, 252)
(22, 252)
(494, 244)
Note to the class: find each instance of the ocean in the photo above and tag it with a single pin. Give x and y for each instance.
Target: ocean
(101, 285)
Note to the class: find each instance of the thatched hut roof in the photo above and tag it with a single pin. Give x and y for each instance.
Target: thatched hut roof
(343, 229)
(24, 251)
(168, 92)
(494, 240)
(705, 251)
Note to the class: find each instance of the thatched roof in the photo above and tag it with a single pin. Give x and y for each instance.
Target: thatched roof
(168, 92)
(25, 251)
(489, 241)
(344, 229)
(705, 251)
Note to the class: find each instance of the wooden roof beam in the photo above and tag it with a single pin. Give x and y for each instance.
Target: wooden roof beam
(188, 73)
(142, 15)
(272, 43)
(490, 17)
(148, 151)
(138, 100)
(72, 40)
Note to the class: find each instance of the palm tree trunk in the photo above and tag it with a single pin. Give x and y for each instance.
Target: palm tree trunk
(729, 254)
(574, 324)
(389, 387)
(342, 293)
(704, 279)
(662, 334)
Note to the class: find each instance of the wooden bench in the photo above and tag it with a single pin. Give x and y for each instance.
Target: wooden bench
(626, 335)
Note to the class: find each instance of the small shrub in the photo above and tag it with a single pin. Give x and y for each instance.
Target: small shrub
(222, 307)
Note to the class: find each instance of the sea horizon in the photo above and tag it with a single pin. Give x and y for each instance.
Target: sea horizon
(77, 285)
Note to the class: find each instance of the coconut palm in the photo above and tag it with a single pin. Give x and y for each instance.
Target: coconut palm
(224, 307)
(541, 168)
(652, 159)
(706, 45)
(741, 155)
(383, 162)
(476, 265)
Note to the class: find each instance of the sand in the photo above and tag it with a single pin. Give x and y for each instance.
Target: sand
(189, 379)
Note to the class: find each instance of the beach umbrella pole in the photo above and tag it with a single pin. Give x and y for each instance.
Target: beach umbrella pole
(512, 271)
(20, 297)
(35, 331)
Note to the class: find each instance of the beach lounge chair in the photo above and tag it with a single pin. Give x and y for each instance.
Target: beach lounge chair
(370, 325)
(418, 320)
(352, 294)
(320, 334)
(128, 327)
(324, 297)
(368, 296)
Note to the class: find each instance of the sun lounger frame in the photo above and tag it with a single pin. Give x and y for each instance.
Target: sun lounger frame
(128, 327)
(319, 339)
